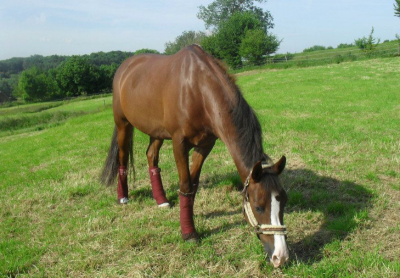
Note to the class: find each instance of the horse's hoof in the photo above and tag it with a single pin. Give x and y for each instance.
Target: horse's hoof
(192, 237)
(164, 205)
(123, 201)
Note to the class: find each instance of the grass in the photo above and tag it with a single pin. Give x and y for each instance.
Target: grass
(338, 126)
(325, 57)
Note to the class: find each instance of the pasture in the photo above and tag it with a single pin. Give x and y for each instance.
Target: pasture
(338, 125)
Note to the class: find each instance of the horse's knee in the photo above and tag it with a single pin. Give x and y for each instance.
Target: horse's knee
(151, 155)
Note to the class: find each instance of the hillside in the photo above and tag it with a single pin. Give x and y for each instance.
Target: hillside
(337, 125)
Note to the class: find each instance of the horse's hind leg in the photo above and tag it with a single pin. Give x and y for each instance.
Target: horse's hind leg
(124, 136)
(155, 172)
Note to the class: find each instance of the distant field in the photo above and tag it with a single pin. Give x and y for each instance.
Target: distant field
(325, 57)
(338, 125)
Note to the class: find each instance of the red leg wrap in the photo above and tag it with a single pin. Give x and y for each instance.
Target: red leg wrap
(186, 214)
(156, 185)
(122, 188)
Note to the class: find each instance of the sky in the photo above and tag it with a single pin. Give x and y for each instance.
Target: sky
(77, 27)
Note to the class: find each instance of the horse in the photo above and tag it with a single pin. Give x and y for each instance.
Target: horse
(190, 98)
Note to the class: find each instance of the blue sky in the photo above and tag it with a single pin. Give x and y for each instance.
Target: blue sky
(49, 27)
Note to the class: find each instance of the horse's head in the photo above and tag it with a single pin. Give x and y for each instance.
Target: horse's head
(263, 205)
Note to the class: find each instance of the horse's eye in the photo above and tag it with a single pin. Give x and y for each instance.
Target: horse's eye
(278, 198)
(259, 209)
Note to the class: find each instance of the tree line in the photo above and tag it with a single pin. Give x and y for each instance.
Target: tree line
(237, 32)
(39, 78)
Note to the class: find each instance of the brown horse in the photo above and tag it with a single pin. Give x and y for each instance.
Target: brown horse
(189, 98)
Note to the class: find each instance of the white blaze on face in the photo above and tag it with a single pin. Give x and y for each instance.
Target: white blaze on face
(281, 253)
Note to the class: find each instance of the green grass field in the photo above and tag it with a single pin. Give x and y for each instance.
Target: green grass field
(338, 125)
(325, 57)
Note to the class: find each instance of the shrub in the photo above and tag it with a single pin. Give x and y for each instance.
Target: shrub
(345, 45)
(369, 44)
(314, 48)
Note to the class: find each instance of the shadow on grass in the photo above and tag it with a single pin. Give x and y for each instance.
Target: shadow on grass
(144, 194)
(343, 204)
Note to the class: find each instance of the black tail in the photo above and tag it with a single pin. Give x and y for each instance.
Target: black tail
(110, 169)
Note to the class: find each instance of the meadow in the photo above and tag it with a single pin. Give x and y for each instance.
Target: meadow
(325, 57)
(338, 125)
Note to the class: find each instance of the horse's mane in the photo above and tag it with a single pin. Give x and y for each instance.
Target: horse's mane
(249, 133)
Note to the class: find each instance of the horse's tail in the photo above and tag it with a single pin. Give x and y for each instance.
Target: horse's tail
(111, 165)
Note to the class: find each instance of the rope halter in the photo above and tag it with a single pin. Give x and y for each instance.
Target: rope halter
(265, 229)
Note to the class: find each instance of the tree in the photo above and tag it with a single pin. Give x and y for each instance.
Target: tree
(107, 73)
(397, 8)
(77, 77)
(226, 43)
(5, 91)
(187, 38)
(367, 44)
(220, 11)
(36, 85)
(256, 44)
(146, 51)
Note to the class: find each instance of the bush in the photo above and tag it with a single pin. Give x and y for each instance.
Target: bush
(338, 59)
(345, 45)
(368, 44)
(314, 48)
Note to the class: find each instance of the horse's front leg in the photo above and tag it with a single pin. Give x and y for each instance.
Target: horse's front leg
(198, 157)
(186, 189)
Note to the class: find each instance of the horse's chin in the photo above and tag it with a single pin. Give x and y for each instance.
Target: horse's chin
(276, 261)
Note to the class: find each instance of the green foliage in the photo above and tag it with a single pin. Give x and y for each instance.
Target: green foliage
(231, 20)
(185, 39)
(37, 85)
(5, 90)
(219, 11)
(254, 46)
(107, 58)
(345, 45)
(11, 69)
(146, 51)
(226, 43)
(397, 8)
(314, 48)
(107, 73)
(210, 44)
(231, 34)
(367, 44)
(77, 77)
(13, 65)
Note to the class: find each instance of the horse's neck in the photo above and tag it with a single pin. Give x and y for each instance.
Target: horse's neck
(229, 137)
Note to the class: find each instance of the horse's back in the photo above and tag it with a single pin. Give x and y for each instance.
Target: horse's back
(161, 95)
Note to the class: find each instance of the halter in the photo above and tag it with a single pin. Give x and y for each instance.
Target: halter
(265, 229)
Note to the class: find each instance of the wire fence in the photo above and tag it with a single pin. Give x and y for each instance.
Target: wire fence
(337, 56)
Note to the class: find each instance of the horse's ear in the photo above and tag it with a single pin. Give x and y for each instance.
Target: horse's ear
(279, 166)
(257, 172)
